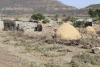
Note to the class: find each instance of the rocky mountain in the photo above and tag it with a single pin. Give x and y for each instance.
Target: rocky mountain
(34, 6)
(86, 9)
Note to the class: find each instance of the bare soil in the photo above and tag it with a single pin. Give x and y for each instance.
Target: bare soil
(9, 60)
(25, 52)
(38, 53)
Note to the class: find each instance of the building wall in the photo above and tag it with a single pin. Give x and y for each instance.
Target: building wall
(1, 25)
(27, 26)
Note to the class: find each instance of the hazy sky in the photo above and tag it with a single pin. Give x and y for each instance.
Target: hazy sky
(79, 3)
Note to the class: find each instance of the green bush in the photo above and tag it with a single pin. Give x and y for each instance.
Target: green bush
(46, 20)
(37, 16)
(78, 23)
(97, 19)
(75, 24)
(60, 23)
(73, 20)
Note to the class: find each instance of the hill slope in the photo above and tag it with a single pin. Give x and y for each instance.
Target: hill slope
(33, 6)
(86, 9)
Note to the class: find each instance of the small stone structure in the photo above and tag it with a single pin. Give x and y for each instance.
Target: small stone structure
(89, 22)
(24, 26)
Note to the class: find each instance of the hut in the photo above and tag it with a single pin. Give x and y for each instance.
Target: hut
(88, 22)
(9, 25)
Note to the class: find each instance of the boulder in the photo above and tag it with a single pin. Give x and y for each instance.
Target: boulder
(96, 50)
(67, 32)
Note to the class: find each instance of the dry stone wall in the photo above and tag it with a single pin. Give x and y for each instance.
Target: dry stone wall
(1, 25)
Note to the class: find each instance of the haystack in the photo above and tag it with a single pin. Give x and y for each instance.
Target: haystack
(67, 32)
(69, 22)
(91, 31)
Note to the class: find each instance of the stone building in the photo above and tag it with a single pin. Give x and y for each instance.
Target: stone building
(89, 22)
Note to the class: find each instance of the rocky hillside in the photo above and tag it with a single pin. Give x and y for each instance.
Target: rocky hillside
(33, 6)
(86, 9)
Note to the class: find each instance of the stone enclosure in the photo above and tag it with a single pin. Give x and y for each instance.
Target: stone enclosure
(24, 26)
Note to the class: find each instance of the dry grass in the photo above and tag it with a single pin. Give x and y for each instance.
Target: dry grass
(44, 54)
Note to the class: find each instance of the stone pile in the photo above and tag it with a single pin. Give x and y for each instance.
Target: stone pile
(96, 50)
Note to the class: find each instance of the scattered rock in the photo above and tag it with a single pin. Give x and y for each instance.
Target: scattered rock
(96, 50)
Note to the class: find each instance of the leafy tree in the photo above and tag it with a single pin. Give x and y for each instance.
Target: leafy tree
(38, 16)
(94, 13)
(46, 20)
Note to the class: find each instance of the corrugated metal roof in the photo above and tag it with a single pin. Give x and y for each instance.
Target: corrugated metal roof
(88, 20)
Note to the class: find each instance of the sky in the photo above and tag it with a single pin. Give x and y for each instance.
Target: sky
(79, 3)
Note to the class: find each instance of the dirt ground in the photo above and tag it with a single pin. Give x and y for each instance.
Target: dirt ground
(17, 55)
(25, 52)
(9, 60)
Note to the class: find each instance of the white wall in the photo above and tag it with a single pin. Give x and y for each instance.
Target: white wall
(1, 25)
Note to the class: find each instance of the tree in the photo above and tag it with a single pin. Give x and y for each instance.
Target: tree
(38, 16)
(94, 13)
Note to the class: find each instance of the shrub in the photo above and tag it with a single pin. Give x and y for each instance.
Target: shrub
(16, 18)
(46, 20)
(56, 17)
(51, 65)
(60, 23)
(37, 16)
(77, 24)
(30, 20)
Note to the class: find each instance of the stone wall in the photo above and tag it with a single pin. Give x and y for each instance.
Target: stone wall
(1, 25)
